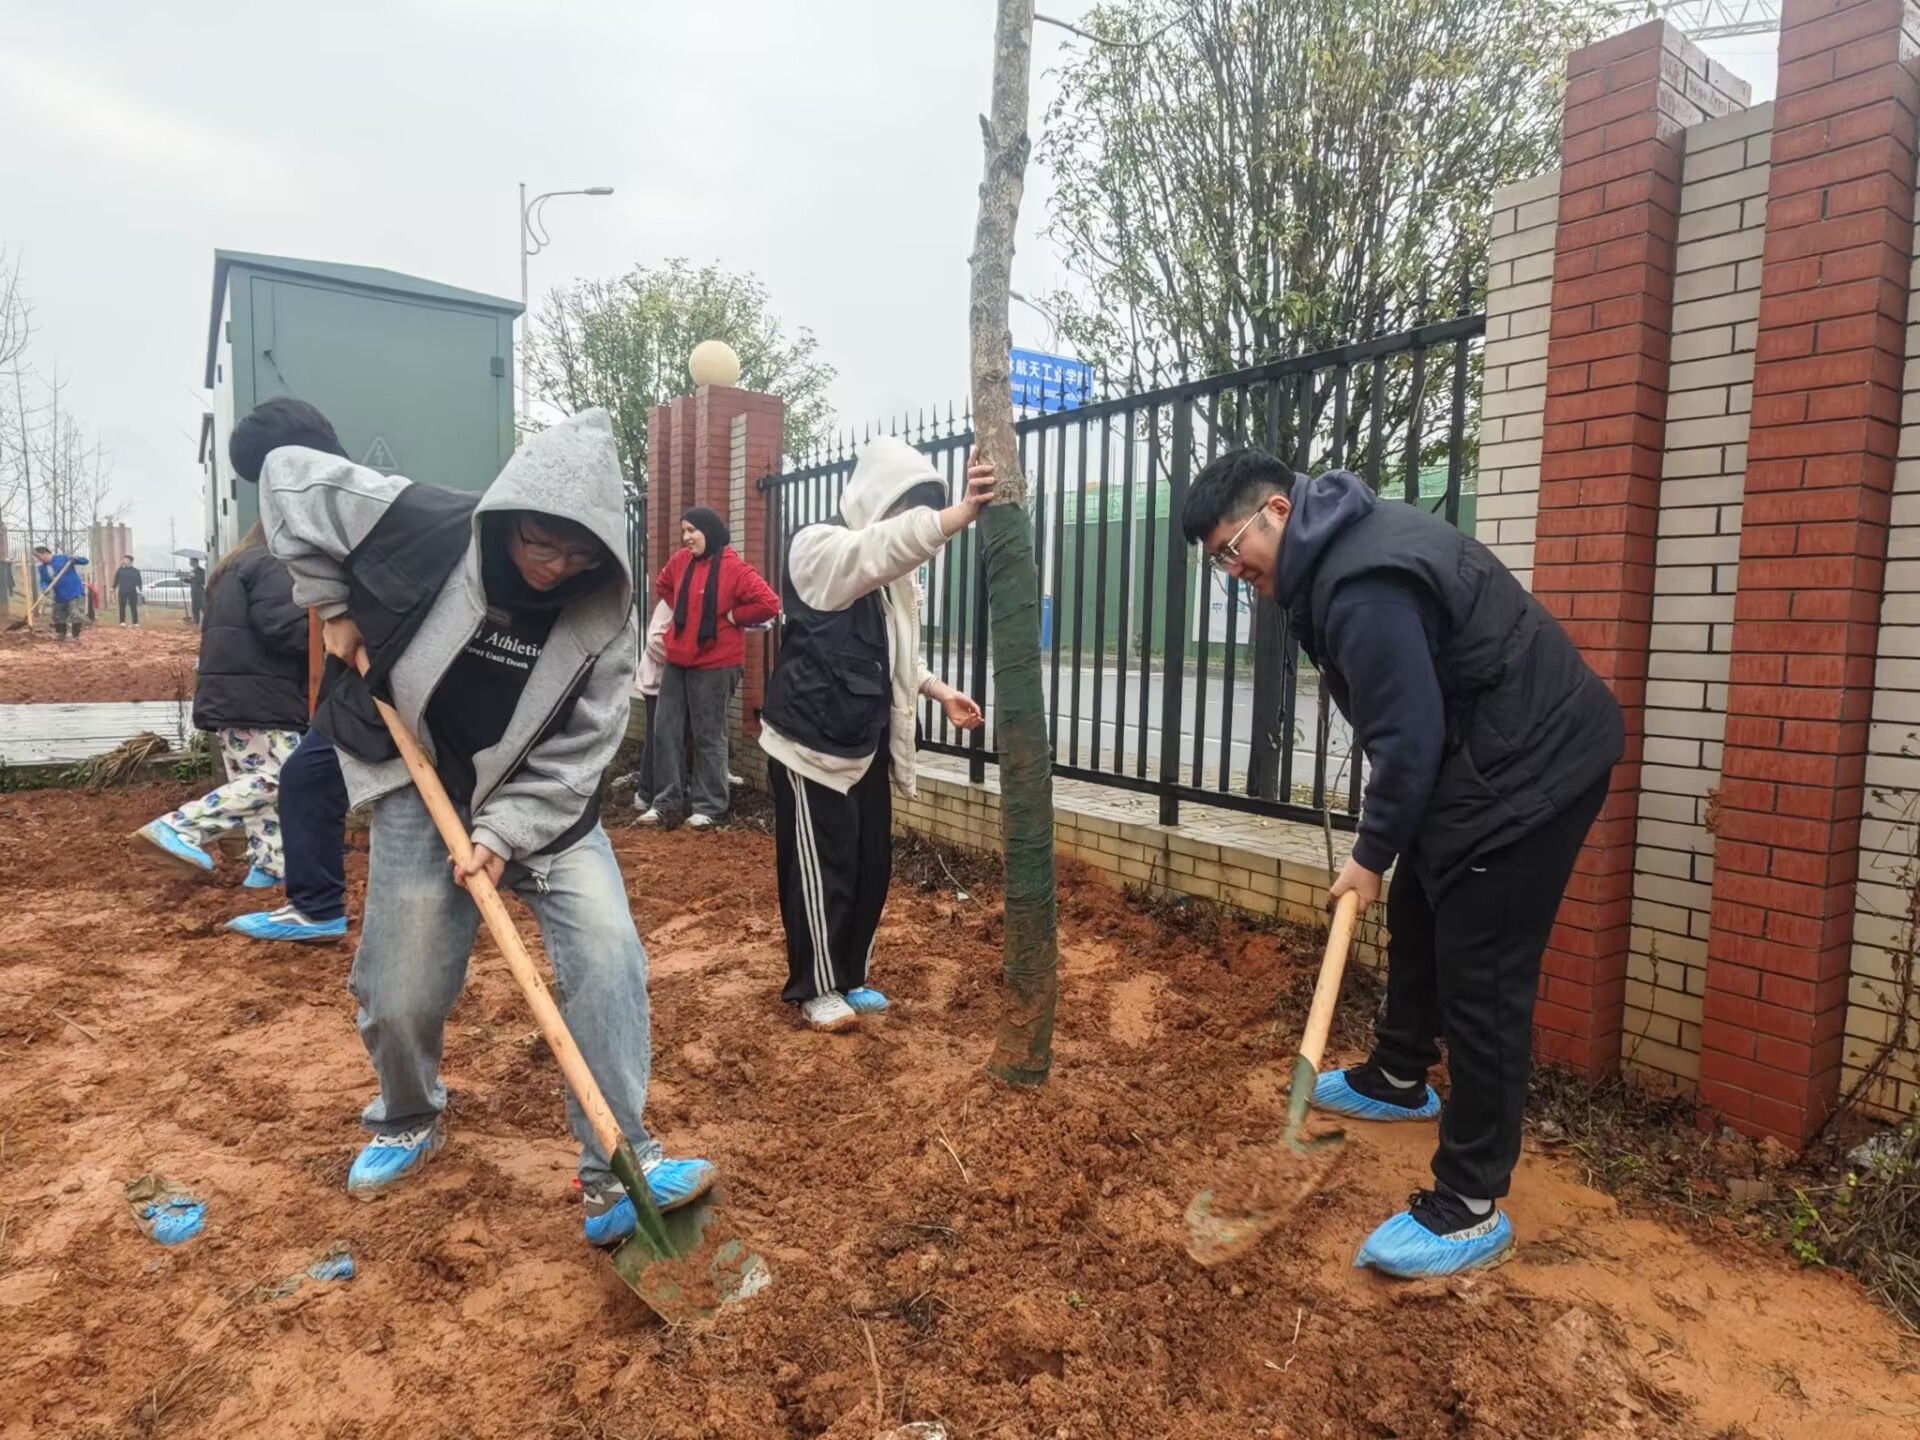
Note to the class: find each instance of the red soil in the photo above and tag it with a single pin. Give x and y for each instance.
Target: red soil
(1014, 1260)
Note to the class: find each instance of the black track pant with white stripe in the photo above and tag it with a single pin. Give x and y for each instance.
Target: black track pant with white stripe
(835, 858)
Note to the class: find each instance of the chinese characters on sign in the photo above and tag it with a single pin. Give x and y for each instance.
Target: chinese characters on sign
(1046, 383)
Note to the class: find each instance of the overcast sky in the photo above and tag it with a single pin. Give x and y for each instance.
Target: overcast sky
(830, 146)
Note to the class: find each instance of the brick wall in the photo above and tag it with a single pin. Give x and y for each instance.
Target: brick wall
(1628, 100)
(1716, 304)
(1883, 927)
(1749, 938)
(1126, 852)
(1820, 463)
(1514, 369)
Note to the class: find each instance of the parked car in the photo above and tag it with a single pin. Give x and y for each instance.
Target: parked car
(169, 590)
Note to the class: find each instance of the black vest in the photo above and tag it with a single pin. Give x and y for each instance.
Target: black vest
(832, 686)
(253, 649)
(1530, 729)
(393, 577)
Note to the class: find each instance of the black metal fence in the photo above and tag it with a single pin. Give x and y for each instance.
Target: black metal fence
(637, 557)
(1164, 675)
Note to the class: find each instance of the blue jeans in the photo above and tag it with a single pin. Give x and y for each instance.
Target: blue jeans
(412, 961)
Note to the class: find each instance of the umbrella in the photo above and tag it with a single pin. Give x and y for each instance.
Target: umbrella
(189, 553)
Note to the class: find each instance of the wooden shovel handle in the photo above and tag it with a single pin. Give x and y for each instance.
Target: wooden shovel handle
(505, 933)
(1326, 990)
(47, 589)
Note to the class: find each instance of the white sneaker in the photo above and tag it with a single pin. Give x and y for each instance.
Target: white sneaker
(701, 822)
(650, 817)
(829, 1012)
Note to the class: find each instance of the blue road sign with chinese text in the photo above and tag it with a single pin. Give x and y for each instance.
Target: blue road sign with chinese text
(1046, 383)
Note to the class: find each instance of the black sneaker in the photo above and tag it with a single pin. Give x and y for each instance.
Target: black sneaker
(1361, 1091)
(1437, 1235)
(1445, 1213)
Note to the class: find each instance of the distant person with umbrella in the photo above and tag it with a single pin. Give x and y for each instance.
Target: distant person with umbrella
(126, 585)
(196, 590)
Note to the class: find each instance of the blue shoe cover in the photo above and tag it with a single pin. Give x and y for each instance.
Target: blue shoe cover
(673, 1183)
(1404, 1247)
(172, 844)
(389, 1159)
(1333, 1093)
(168, 1212)
(336, 1264)
(258, 879)
(866, 1000)
(175, 1219)
(286, 923)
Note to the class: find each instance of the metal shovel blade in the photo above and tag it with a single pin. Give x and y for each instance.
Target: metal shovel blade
(1278, 1180)
(670, 1265)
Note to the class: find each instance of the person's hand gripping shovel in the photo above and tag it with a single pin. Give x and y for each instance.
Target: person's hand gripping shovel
(666, 1261)
(1223, 1225)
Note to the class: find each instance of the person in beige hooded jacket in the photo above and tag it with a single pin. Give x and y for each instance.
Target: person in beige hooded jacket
(843, 690)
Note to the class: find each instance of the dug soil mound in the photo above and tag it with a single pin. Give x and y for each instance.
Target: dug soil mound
(1011, 1264)
(153, 661)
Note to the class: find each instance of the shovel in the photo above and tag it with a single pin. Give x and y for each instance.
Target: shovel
(662, 1261)
(1219, 1231)
(24, 621)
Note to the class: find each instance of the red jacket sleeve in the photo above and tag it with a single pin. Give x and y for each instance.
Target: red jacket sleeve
(667, 585)
(753, 599)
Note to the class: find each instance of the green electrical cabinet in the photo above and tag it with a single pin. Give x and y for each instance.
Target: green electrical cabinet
(416, 376)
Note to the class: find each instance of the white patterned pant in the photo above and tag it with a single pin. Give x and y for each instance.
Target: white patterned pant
(249, 801)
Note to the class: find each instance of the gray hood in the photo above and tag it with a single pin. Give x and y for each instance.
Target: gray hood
(887, 470)
(571, 470)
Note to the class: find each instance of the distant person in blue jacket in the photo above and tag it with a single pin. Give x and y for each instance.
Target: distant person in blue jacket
(61, 574)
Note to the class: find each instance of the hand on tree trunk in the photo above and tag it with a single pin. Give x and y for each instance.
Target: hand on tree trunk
(980, 482)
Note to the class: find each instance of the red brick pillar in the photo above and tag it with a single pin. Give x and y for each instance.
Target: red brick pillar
(663, 516)
(699, 448)
(1628, 99)
(686, 442)
(757, 440)
(1813, 542)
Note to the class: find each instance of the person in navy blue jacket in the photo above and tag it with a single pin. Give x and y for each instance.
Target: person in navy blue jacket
(61, 574)
(1490, 745)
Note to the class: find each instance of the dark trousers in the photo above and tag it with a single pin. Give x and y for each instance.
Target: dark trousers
(1465, 965)
(644, 781)
(693, 705)
(129, 608)
(313, 824)
(834, 857)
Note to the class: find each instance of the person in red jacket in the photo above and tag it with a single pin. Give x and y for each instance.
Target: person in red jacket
(713, 593)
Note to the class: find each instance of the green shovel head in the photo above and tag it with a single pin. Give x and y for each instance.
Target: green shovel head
(668, 1261)
(1272, 1185)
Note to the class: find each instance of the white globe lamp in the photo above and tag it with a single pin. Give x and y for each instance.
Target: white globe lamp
(714, 362)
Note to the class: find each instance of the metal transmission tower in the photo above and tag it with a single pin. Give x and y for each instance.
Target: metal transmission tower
(1718, 19)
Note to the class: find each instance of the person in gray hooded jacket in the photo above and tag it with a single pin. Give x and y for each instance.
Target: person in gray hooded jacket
(503, 632)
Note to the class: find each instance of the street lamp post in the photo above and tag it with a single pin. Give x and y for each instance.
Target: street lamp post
(534, 239)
